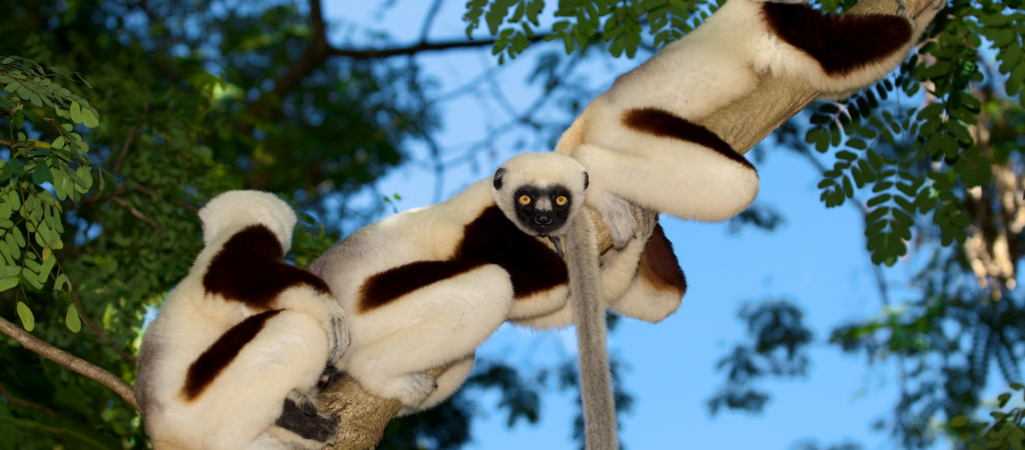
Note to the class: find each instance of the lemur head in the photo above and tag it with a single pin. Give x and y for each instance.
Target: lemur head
(539, 192)
(235, 209)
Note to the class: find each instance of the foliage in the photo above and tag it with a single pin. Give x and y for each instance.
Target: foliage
(173, 112)
(1006, 432)
(30, 215)
(935, 152)
(778, 348)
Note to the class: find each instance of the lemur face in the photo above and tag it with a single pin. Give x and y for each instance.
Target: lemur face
(542, 209)
(540, 192)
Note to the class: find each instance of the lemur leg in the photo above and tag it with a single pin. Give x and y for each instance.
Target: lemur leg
(324, 307)
(670, 176)
(448, 382)
(288, 353)
(433, 327)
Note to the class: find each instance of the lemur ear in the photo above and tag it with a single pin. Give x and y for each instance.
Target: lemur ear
(498, 177)
(587, 180)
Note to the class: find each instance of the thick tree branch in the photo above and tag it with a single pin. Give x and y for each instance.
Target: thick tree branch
(65, 359)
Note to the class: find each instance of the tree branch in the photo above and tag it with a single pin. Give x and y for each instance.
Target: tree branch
(65, 359)
(135, 212)
(24, 403)
(419, 47)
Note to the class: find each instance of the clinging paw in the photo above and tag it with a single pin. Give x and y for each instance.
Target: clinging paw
(303, 402)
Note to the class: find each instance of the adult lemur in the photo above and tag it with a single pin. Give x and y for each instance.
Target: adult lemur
(640, 140)
(422, 289)
(241, 340)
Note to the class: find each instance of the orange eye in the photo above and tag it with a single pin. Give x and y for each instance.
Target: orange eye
(524, 200)
(561, 200)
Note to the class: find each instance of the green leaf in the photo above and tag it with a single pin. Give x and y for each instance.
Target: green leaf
(76, 112)
(72, 321)
(42, 174)
(58, 284)
(27, 319)
(89, 119)
(959, 421)
(1003, 398)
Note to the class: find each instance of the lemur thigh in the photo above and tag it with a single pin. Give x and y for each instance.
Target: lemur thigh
(448, 382)
(250, 384)
(672, 169)
(431, 327)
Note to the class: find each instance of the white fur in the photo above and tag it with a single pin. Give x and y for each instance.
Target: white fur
(439, 325)
(238, 409)
(715, 65)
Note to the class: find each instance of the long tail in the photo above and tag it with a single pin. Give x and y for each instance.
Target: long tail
(589, 315)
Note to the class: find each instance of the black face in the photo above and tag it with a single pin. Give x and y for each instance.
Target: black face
(543, 210)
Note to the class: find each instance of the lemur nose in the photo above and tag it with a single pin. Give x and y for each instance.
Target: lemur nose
(543, 219)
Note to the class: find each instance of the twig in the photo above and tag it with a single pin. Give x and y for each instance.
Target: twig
(432, 13)
(128, 142)
(98, 330)
(65, 359)
(27, 404)
(135, 212)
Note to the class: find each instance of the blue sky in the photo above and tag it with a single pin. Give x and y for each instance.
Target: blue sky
(816, 260)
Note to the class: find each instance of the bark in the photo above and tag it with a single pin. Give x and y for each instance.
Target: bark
(65, 359)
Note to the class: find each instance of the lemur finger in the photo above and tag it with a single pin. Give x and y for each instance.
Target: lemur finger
(329, 429)
(303, 402)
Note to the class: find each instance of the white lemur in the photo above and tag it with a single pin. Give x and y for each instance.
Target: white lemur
(422, 289)
(235, 351)
(640, 140)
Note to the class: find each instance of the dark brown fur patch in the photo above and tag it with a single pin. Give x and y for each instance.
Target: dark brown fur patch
(249, 269)
(212, 362)
(659, 266)
(493, 239)
(490, 239)
(841, 44)
(661, 123)
(391, 284)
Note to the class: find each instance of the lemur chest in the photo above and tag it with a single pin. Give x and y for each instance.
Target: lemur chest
(491, 238)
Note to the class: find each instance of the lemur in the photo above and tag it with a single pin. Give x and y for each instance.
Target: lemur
(640, 140)
(423, 288)
(237, 348)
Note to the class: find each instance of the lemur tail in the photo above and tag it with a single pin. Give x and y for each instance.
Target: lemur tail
(585, 296)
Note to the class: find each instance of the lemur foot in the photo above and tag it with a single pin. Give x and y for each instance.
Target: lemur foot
(646, 221)
(618, 217)
(316, 428)
(302, 401)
